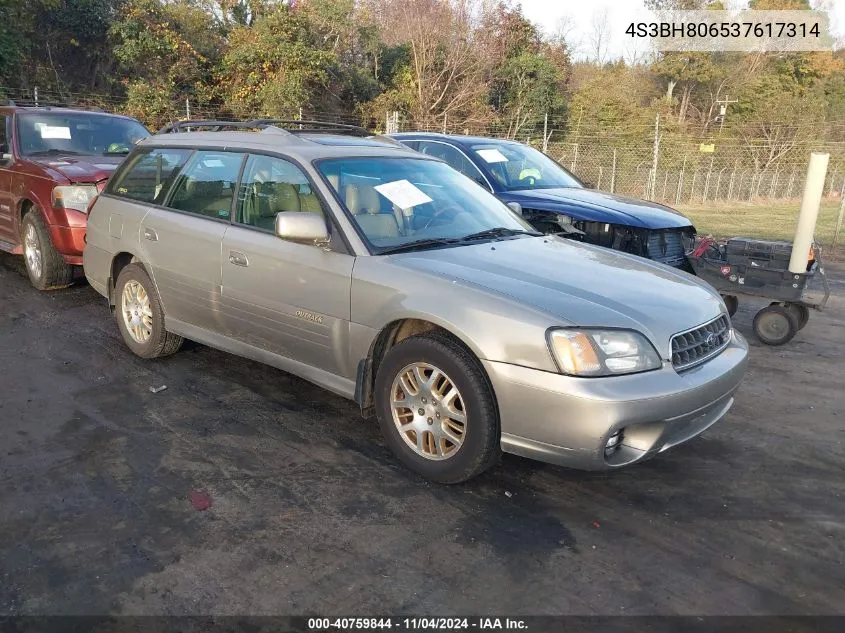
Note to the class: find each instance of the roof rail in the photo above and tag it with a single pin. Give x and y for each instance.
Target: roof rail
(318, 127)
(295, 126)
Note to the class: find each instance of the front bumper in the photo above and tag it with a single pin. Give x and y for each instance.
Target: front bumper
(567, 421)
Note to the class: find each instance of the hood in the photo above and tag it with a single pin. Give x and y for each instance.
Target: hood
(81, 168)
(598, 206)
(578, 284)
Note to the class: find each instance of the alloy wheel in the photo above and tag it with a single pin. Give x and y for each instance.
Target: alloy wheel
(32, 251)
(137, 311)
(428, 411)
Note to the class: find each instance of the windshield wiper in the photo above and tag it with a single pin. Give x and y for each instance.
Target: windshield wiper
(55, 152)
(417, 244)
(499, 231)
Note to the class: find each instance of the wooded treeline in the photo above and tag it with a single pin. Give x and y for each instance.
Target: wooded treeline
(475, 65)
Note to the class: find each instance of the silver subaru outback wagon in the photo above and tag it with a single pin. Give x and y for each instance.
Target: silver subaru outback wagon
(391, 279)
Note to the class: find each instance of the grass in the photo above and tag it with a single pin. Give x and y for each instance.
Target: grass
(766, 220)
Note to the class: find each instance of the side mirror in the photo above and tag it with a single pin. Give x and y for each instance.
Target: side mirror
(302, 227)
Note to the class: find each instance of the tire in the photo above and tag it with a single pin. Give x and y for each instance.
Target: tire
(775, 325)
(800, 313)
(731, 303)
(147, 338)
(442, 461)
(46, 268)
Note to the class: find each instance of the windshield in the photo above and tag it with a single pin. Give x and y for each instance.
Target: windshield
(517, 166)
(77, 133)
(400, 201)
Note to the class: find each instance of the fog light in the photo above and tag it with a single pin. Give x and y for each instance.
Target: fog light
(613, 443)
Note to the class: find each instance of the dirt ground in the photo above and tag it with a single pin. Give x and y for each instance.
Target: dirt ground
(311, 514)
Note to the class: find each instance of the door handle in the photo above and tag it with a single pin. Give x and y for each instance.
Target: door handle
(151, 235)
(238, 259)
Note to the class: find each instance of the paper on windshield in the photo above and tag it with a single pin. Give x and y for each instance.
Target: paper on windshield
(402, 193)
(492, 155)
(55, 131)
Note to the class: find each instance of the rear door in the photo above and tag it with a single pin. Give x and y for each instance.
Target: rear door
(182, 238)
(291, 299)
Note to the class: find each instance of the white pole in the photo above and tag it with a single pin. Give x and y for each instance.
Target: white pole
(841, 213)
(813, 189)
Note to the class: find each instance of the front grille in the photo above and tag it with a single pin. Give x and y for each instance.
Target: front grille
(667, 246)
(695, 346)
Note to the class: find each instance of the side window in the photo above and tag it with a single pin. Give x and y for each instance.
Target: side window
(455, 159)
(146, 176)
(270, 186)
(206, 185)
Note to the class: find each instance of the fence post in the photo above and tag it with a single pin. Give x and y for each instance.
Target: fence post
(613, 173)
(35, 93)
(655, 153)
(545, 132)
(707, 181)
(774, 185)
(665, 182)
(574, 159)
(598, 185)
(681, 181)
(791, 182)
(444, 123)
(187, 108)
(692, 187)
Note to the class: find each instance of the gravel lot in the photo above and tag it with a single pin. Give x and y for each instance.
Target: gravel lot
(311, 513)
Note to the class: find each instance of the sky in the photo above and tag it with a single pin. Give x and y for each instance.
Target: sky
(620, 13)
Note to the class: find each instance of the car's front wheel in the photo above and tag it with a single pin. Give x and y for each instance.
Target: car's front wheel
(139, 314)
(436, 409)
(44, 264)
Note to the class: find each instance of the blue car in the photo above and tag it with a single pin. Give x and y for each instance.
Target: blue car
(555, 201)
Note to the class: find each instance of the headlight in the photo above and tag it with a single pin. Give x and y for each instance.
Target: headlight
(589, 352)
(75, 197)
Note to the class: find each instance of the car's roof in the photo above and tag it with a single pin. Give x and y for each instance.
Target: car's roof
(460, 139)
(308, 145)
(52, 110)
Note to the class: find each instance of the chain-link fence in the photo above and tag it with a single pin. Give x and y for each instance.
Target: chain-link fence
(686, 176)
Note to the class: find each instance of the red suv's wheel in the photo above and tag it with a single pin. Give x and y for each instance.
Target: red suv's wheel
(45, 266)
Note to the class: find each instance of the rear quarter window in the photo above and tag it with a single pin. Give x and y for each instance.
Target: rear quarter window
(147, 175)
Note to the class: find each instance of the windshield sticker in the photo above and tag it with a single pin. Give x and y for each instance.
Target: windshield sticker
(55, 131)
(492, 155)
(402, 193)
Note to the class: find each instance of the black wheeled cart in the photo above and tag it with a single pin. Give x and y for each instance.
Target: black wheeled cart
(760, 268)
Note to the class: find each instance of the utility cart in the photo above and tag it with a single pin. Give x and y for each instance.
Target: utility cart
(760, 268)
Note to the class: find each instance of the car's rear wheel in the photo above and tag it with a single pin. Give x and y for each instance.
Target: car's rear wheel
(139, 315)
(44, 265)
(436, 409)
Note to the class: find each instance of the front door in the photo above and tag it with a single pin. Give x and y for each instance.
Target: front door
(288, 298)
(183, 241)
(7, 225)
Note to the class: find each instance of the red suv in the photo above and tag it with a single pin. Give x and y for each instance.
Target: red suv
(53, 163)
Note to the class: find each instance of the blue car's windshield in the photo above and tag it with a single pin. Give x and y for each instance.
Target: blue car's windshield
(399, 201)
(77, 133)
(517, 166)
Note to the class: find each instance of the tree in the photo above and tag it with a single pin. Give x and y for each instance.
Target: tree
(444, 73)
(274, 67)
(166, 53)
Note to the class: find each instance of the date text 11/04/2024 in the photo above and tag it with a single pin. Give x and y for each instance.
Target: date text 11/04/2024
(416, 623)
